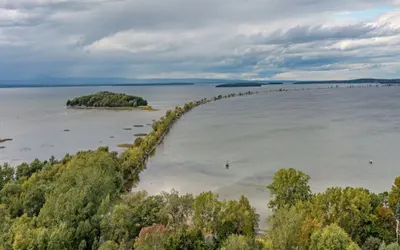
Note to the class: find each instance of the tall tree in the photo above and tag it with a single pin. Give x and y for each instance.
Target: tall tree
(206, 208)
(394, 195)
(6, 174)
(285, 227)
(288, 187)
(72, 209)
(127, 218)
(177, 208)
(350, 208)
(237, 217)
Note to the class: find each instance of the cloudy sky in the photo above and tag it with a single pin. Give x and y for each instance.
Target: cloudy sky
(241, 39)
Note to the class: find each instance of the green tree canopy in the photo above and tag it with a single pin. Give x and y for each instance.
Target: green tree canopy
(332, 237)
(285, 226)
(153, 237)
(177, 208)
(288, 187)
(240, 242)
(236, 217)
(394, 196)
(371, 243)
(126, 219)
(6, 174)
(107, 99)
(206, 208)
(393, 246)
(349, 208)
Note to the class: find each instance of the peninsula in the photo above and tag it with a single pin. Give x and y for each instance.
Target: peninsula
(106, 99)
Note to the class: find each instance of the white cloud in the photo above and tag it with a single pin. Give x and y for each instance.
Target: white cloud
(179, 38)
(389, 70)
(139, 42)
(382, 42)
(14, 17)
(390, 20)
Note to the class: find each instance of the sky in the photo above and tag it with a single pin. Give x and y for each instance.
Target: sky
(231, 39)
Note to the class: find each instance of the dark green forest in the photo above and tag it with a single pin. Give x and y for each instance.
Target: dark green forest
(107, 99)
(84, 201)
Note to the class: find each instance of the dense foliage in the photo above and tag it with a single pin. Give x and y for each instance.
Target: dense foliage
(339, 218)
(107, 99)
(84, 201)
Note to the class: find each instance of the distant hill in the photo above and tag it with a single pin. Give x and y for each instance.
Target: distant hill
(114, 81)
(68, 82)
(44, 85)
(237, 85)
(354, 81)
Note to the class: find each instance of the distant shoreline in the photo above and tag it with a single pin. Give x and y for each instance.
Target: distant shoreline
(355, 81)
(5, 86)
(63, 83)
(238, 85)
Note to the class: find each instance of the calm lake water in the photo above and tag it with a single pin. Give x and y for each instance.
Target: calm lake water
(329, 134)
(35, 118)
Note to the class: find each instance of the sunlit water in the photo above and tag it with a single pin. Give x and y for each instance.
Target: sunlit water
(329, 134)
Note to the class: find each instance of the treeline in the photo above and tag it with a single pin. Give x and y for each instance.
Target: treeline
(353, 81)
(339, 218)
(79, 203)
(83, 202)
(107, 99)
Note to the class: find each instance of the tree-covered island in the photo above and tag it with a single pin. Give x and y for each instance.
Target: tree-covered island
(106, 99)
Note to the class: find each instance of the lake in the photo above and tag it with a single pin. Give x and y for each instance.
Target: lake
(329, 134)
(35, 118)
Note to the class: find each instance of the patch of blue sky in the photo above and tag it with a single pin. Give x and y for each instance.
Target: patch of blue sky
(365, 15)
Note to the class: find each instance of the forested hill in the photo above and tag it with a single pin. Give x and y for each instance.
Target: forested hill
(236, 85)
(107, 99)
(361, 80)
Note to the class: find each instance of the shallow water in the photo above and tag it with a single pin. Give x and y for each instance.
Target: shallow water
(35, 118)
(329, 134)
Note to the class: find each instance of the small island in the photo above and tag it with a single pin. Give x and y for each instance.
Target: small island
(236, 85)
(108, 100)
